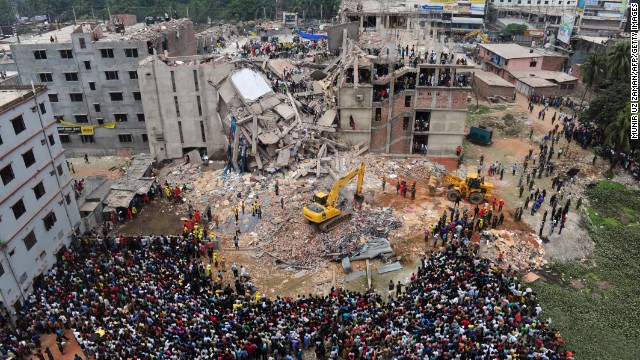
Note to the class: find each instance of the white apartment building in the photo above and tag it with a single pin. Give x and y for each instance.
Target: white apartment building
(38, 212)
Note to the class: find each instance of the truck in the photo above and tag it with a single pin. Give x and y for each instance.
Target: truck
(480, 135)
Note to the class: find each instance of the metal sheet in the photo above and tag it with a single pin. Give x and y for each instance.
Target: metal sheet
(389, 268)
(119, 198)
(250, 84)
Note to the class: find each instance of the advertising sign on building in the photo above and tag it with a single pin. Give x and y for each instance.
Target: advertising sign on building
(564, 33)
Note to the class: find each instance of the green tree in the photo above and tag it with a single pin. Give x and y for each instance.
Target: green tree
(514, 29)
(604, 108)
(619, 61)
(593, 71)
(617, 133)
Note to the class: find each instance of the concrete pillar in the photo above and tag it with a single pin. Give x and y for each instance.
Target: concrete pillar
(361, 21)
(389, 116)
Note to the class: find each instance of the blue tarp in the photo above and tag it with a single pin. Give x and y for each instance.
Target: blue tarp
(314, 37)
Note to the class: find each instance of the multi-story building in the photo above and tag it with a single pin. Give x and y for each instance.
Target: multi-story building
(38, 211)
(406, 110)
(181, 105)
(91, 73)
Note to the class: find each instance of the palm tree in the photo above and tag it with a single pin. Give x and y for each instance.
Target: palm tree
(619, 59)
(593, 71)
(618, 134)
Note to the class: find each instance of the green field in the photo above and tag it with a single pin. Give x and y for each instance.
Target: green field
(596, 303)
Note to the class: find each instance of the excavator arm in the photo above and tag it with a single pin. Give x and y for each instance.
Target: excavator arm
(472, 34)
(333, 195)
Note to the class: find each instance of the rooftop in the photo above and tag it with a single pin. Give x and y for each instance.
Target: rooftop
(11, 95)
(509, 21)
(542, 78)
(515, 51)
(491, 79)
(250, 84)
(104, 32)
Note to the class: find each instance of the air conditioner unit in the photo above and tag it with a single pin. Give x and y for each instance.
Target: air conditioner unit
(359, 97)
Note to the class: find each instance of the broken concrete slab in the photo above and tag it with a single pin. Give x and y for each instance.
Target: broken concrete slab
(327, 118)
(346, 265)
(354, 276)
(530, 277)
(389, 268)
(299, 274)
(373, 248)
(194, 157)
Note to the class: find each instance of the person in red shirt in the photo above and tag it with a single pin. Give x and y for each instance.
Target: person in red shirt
(197, 216)
(500, 205)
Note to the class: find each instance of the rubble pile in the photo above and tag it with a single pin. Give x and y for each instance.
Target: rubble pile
(522, 251)
(153, 32)
(288, 238)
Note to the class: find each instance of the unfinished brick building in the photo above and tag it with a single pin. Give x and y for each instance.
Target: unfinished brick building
(404, 111)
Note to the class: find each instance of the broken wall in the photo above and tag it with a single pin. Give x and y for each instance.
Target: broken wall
(335, 34)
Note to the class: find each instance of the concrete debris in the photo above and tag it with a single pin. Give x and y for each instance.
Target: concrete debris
(346, 265)
(522, 251)
(389, 268)
(372, 249)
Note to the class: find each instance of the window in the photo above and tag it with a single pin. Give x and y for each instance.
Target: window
(125, 138)
(199, 105)
(533, 62)
(71, 76)
(180, 131)
(67, 198)
(82, 119)
(18, 124)
(1, 270)
(571, 86)
(87, 139)
(92, 85)
(46, 77)
(173, 81)
(204, 138)
(133, 75)
(60, 170)
(87, 65)
(145, 138)
(52, 139)
(43, 108)
(175, 100)
(18, 209)
(97, 107)
(111, 75)
(40, 54)
(140, 117)
(116, 96)
(30, 240)
(7, 174)
(106, 53)
(28, 158)
(120, 117)
(38, 190)
(195, 79)
(83, 44)
(53, 97)
(75, 97)
(49, 220)
(100, 121)
(407, 101)
(137, 96)
(378, 114)
(66, 54)
(64, 138)
(131, 53)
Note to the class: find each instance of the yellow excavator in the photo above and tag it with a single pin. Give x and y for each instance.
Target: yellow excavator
(472, 188)
(478, 33)
(324, 211)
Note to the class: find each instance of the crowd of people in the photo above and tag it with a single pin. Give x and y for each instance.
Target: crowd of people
(155, 299)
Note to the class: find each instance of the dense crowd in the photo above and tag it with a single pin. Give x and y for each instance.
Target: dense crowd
(153, 298)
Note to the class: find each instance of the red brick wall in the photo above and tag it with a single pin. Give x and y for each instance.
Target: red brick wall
(442, 99)
(486, 90)
(379, 130)
(575, 71)
(459, 99)
(552, 63)
(425, 98)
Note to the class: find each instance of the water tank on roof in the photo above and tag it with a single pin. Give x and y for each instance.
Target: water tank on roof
(149, 20)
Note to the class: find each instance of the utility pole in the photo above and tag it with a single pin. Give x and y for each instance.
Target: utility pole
(321, 12)
(109, 11)
(92, 14)
(187, 12)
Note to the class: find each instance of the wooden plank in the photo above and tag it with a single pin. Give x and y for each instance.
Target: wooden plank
(318, 168)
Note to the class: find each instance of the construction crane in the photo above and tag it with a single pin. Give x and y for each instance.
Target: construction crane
(324, 211)
(472, 188)
(477, 33)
